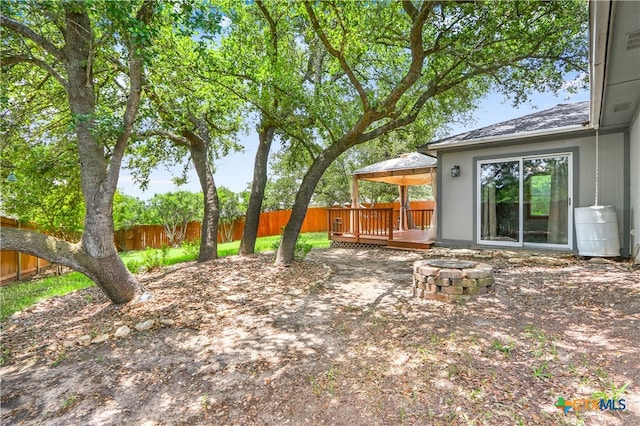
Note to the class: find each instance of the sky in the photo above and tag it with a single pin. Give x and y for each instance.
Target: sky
(236, 170)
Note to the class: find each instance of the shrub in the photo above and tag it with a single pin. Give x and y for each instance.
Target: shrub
(191, 248)
(154, 259)
(134, 266)
(303, 247)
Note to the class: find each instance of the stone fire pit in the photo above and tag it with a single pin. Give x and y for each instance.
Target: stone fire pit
(449, 280)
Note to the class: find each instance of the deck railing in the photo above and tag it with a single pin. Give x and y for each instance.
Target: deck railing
(416, 218)
(376, 223)
(373, 223)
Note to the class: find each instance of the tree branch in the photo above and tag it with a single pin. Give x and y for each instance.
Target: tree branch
(173, 137)
(145, 14)
(417, 55)
(339, 56)
(23, 30)
(16, 59)
(43, 246)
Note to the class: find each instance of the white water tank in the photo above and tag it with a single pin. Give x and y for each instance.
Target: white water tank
(597, 231)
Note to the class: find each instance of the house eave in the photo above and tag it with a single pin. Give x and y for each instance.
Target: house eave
(600, 16)
(480, 142)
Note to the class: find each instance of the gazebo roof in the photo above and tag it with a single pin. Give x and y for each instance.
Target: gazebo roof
(407, 170)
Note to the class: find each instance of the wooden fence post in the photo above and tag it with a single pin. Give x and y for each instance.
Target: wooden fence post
(19, 261)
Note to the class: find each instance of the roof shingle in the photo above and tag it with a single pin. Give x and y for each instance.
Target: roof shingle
(560, 116)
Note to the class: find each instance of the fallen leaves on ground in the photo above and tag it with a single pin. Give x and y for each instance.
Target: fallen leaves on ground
(336, 339)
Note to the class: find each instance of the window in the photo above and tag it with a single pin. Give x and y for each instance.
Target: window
(525, 201)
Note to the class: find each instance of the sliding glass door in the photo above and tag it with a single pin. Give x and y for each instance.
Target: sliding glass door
(500, 201)
(525, 201)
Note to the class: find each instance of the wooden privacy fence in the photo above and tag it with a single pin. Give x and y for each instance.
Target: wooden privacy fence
(153, 236)
(15, 265)
(271, 223)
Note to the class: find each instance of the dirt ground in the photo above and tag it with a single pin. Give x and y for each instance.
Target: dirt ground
(337, 339)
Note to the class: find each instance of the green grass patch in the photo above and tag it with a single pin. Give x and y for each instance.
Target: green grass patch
(18, 296)
(316, 239)
(180, 254)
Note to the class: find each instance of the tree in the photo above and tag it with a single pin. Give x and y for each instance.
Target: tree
(280, 192)
(47, 190)
(230, 211)
(188, 110)
(73, 43)
(288, 170)
(128, 212)
(387, 64)
(174, 211)
(266, 75)
(36, 144)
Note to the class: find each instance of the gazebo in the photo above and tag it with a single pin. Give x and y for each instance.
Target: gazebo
(404, 227)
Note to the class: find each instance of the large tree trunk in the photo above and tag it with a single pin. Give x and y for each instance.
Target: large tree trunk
(286, 251)
(116, 282)
(105, 268)
(209, 231)
(95, 255)
(252, 219)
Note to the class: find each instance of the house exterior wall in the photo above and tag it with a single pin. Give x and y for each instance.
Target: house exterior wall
(634, 166)
(457, 196)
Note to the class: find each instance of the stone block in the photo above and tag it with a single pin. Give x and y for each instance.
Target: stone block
(456, 297)
(450, 273)
(441, 297)
(456, 282)
(452, 290)
(422, 285)
(418, 263)
(84, 340)
(432, 288)
(551, 261)
(145, 325)
(428, 270)
(469, 282)
(419, 277)
(101, 338)
(442, 282)
(437, 296)
(122, 331)
(476, 273)
(485, 282)
(431, 280)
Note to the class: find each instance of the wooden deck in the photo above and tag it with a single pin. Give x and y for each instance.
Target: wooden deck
(379, 227)
(413, 238)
